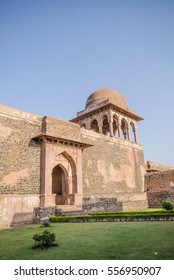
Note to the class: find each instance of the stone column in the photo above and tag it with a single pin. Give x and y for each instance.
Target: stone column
(79, 195)
(100, 125)
(135, 134)
(119, 130)
(88, 124)
(46, 196)
(128, 133)
(111, 128)
(111, 125)
(135, 137)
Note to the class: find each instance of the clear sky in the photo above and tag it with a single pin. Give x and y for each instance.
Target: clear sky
(55, 53)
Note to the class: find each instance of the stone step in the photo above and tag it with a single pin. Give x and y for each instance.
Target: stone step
(69, 207)
(69, 210)
(72, 213)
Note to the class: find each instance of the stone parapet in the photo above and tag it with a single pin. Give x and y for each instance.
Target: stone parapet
(59, 128)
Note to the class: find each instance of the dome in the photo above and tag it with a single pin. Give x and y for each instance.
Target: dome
(104, 94)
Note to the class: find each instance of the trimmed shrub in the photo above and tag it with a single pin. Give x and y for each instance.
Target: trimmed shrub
(44, 240)
(109, 217)
(167, 204)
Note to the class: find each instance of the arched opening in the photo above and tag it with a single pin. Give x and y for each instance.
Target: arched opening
(124, 129)
(132, 132)
(115, 126)
(94, 126)
(60, 184)
(83, 125)
(106, 130)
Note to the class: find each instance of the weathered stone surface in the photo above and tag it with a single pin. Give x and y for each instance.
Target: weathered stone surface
(17, 209)
(40, 213)
(160, 181)
(20, 156)
(112, 166)
(155, 199)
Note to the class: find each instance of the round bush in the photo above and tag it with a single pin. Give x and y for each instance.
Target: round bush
(166, 204)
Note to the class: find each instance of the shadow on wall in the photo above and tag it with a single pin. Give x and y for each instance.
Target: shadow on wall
(20, 219)
(34, 143)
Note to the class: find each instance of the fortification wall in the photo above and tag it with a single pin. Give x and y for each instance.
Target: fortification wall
(20, 156)
(113, 174)
(19, 166)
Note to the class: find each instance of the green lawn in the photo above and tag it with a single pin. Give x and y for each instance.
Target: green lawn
(121, 241)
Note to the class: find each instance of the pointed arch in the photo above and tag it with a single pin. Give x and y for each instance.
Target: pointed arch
(115, 125)
(71, 161)
(106, 129)
(94, 125)
(133, 132)
(83, 125)
(124, 128)
(64, 177)
(59, 180)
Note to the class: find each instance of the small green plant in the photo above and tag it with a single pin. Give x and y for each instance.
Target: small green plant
(167, 204)
(46, 223)
(44, 240)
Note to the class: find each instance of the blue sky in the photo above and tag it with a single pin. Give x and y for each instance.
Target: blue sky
(54, 54)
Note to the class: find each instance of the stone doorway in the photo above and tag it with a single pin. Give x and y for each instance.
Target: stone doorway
(60, 185)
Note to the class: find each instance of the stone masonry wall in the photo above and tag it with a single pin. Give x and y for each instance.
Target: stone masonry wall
(20, 156)
(113, 170)
(17, 209)
(159, 186)
(155, 199)
(160, 181)
(59, 128)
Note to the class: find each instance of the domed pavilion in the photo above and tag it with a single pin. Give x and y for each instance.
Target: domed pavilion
(106, 112)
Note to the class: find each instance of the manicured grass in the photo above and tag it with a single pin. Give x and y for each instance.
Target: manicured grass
(122, 241)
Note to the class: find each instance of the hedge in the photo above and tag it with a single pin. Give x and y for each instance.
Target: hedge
(115, 217)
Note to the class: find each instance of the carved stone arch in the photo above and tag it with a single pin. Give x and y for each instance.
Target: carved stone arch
(104, 115)
(132, 125)
(124, 128)
(106, 128)
(83, 125)
(71, 161)
(65, 167)
(133, 132)
(94, 125)
(59, 180)
(115, 125)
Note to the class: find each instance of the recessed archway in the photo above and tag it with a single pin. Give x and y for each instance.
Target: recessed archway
(60, 185)
(64, 179)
